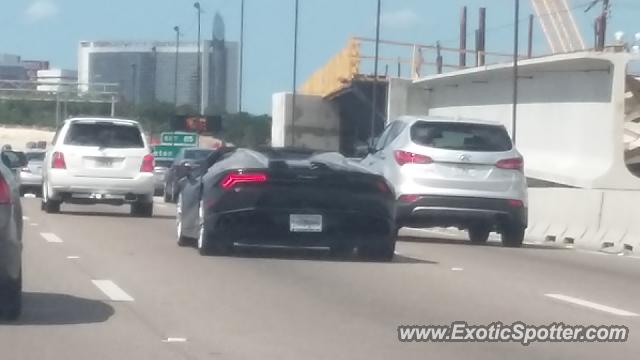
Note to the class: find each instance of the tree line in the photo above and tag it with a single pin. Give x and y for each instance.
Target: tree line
(241, 129)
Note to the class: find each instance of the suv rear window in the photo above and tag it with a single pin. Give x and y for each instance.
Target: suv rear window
(105, 135)
(35, 156)
(461, 136)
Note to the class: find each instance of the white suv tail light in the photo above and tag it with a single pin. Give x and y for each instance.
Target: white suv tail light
(404, 157)
(511, 164)
(57, 161)
(147, 163)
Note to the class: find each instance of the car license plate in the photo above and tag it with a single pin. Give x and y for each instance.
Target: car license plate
(305, 223)
(104, 163)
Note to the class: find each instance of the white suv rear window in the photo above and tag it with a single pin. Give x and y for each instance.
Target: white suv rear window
(461, 136)
(104, 135)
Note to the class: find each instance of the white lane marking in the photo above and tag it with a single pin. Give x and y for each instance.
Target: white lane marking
(113, 291)
(161, 205)
(33, 224)
(456, 269)
(25, 218)
(51, 237)
(73, 257)
(592, 305)
(174, 340)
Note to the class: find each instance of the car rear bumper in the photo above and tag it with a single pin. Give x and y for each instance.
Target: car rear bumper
(30, 180)
(272, 227)
(435, 210)
(61, 182)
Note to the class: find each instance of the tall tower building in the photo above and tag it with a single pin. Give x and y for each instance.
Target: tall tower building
(218, 66)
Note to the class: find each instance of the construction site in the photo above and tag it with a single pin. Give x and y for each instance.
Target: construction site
(573, 112)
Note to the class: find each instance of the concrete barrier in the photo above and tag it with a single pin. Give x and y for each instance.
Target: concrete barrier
(593, 219)
(568, 104)
(602, 220)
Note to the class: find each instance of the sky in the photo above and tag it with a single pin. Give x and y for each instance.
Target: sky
(52, 29)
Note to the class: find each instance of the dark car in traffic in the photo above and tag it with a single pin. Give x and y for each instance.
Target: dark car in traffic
(10, 236)
(286, 197)
(186, 160)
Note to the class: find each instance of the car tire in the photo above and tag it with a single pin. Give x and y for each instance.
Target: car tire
(182, 240)
(11, 299)
(142, 209)
(51, 206)
(479, 234)
(168, 195)
(48, 205)
(382, 250)
(513, 235)
(207, 244)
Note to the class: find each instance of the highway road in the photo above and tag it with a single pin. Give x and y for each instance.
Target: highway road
(102, 285)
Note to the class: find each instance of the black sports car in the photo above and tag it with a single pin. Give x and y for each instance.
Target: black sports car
(286, 197)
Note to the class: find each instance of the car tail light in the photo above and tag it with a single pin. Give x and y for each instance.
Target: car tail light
(5, 192)
(511, 164)
(57, 161)
(147, 163)
(405, 157)
(230, 180)
(516, 203)
(409, 198)
(382, 186)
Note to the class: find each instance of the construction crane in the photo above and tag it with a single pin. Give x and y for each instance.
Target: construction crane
(558, 25)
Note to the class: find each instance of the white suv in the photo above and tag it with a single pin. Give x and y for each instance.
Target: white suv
(454, 172)
(99, 161)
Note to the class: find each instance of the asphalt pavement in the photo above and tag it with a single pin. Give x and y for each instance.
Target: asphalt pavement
(102, 285)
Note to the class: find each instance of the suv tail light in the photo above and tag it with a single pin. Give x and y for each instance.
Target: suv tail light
(405, 157)
(5, 192)
(511, 164)
(57, 161)
(230, 180)
(409, 198)
(147, 163)
(515, 203)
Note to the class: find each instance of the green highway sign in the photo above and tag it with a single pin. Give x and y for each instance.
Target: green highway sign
(179, 138)
(166, 151)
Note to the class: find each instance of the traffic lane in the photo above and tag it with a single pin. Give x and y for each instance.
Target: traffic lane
(255, 304)
(65, 316)
(608, 279)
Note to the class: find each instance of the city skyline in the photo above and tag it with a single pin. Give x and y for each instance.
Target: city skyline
(51, 30)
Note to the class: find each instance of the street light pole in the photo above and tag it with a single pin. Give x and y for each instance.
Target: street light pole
(175, 74)
(241, 55)
(374, 105)
(295, 72)
(199, 62)
(134, 79)
(516, 34)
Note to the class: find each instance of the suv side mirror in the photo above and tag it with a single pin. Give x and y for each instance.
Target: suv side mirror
(372, 144)
(14, 159)
(362, 150)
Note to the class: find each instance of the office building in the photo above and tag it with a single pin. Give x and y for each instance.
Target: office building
(145, 71)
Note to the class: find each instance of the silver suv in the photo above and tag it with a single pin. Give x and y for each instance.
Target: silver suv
(450, 172)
